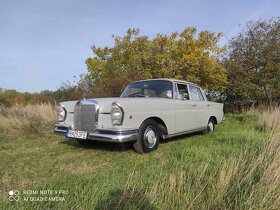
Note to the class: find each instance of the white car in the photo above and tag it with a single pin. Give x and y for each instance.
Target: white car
(146, 112)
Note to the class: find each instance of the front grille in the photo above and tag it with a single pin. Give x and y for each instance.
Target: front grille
(85, 117)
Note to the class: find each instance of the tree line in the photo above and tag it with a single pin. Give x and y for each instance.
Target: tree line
(243, 73)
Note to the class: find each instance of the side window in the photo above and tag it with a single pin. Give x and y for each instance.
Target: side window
(196, 94)
(182, 92)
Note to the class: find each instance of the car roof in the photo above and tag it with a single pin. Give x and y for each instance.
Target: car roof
(166, 79)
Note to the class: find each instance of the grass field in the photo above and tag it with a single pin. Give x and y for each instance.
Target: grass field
(236, 167)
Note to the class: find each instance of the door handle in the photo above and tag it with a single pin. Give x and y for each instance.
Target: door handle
(193, 104)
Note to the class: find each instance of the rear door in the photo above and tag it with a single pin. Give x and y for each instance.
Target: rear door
(185, 111)
(199, 106)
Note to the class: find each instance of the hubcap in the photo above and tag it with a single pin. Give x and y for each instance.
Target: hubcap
(211, 127)
(150, 137)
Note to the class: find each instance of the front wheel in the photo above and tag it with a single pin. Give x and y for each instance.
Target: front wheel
(148, 138)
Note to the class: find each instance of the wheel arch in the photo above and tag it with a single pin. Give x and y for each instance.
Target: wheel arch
(162, 126)
(214, 119)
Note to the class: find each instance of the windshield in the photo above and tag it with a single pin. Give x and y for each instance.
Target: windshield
(152, 88)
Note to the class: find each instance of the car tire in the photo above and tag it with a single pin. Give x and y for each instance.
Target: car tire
(148, 138)
(210, 126)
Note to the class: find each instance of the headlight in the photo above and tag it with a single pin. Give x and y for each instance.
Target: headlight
(117, 114)
(61, 113)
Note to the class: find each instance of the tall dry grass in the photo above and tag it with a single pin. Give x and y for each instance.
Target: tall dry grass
(27, 120)
(266, 192)
(270, 118)
(254, 182)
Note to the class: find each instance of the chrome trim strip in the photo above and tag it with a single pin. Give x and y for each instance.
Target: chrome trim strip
(182, 133)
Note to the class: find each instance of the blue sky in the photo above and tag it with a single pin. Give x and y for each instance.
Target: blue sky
(44, 43)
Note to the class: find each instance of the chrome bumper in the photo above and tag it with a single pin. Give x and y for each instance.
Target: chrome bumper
(104, 135)
(113, 136)
(60, 129)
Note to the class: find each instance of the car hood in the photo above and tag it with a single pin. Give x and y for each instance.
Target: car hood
(105, 104)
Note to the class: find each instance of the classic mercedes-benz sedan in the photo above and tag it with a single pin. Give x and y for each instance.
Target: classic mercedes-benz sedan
(146, 112)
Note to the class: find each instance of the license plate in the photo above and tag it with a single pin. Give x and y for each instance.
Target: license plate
(76, 134)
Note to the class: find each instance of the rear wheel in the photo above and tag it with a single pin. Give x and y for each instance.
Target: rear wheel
(210, 126)
(148, 138)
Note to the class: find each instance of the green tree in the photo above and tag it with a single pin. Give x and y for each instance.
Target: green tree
(253, 64)
(189, 55)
